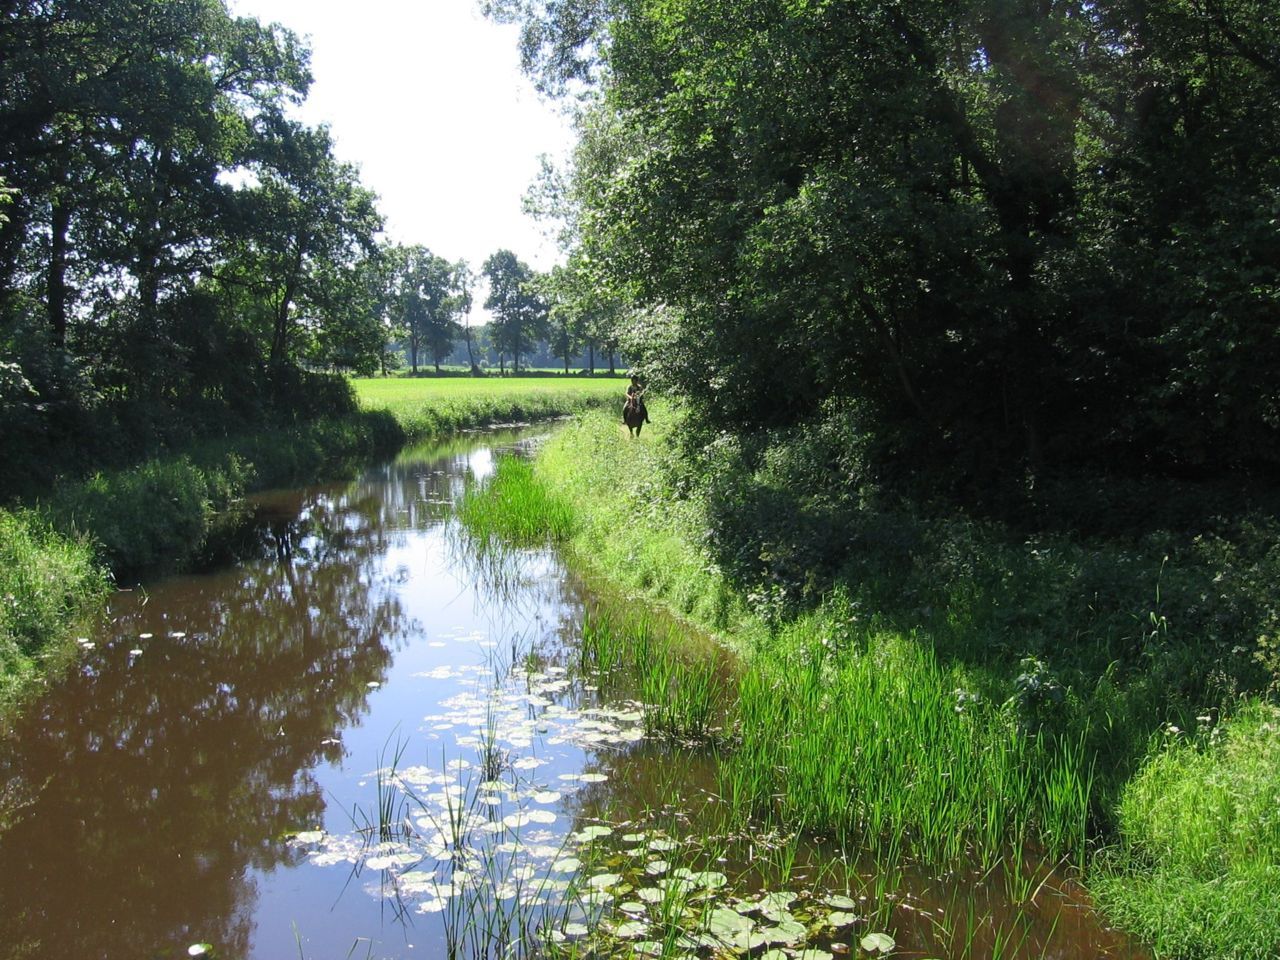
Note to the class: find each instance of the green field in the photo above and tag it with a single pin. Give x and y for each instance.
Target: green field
(428, 406)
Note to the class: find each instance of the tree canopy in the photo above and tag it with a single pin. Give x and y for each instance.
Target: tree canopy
(1003, 235)
(176, 247)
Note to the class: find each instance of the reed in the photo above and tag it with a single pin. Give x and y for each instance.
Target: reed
(513, 507)
(877, 743)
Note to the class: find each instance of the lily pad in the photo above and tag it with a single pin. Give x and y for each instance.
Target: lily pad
(840, 918)
(788, 932)
(726, 924)
(630, 929)
(877, 943)
(841, 902)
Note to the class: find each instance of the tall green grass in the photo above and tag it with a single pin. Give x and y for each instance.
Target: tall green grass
(880, 744)
(48, 582)
(631, 531)
(1198, 875)
(685, 690)
(512, 506)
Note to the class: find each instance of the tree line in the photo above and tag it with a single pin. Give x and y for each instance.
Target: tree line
(1007, 238)
(178, 255)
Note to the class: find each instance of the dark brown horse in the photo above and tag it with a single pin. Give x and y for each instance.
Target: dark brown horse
(634, 416)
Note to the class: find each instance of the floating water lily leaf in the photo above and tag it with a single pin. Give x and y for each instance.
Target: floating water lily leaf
(593, 778)
(841, 902)
(877, 943)
(546, 796)
(813, 955)
(594, 832)
(576, 930)
(773, 955)
(309, 836)
(725, 924)
(788, 932)
(661, 845)
(656, 867)
(540, 816)
(566, 865)
(775, 905)
(649, 894)
(708, 879)
(631, 906)
(842, 919)
(602, 880)
(647, 948)
(633, 838)
(630, 929)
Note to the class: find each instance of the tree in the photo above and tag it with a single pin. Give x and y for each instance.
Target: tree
(1016, 235)
(520, 314)
(427, 302)
(465, 284)
(306, 215)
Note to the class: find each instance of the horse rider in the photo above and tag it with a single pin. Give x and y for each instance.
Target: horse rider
(635, 399)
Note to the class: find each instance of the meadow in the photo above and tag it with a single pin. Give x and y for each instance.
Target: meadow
(431, 406)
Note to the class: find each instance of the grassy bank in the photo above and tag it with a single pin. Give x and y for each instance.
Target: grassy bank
(47, 583)
(946, 685)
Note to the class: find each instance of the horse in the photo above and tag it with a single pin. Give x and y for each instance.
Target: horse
(633, 415)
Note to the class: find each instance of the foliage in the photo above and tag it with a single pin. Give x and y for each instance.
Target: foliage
(427, 295)
(176, 248)
(1027, 671)
(1020, 237)
(1198, 874)
(47, 583)
(513, 507)
(520, 314)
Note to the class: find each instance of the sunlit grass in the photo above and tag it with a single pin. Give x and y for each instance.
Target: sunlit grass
(879, 744)
(47, 582)
(512, 506)
(425, 406)
(1199, 873)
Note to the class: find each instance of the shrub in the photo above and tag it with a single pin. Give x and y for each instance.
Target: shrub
(1199, 871)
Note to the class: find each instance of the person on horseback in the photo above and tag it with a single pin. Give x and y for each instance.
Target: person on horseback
(635, 400)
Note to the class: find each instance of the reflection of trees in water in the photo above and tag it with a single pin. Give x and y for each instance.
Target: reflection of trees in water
(159, 785)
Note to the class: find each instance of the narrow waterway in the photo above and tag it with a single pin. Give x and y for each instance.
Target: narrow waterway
(370, 739)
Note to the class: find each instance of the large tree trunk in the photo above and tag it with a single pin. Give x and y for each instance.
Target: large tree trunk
(591, 357)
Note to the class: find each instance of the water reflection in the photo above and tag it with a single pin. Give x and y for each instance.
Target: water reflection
(157, 782)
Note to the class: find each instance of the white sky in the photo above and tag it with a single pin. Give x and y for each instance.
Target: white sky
(427, 98)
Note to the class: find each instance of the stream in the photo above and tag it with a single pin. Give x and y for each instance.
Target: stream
(369, 738)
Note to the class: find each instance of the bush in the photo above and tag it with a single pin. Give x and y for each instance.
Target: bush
(1199, 872)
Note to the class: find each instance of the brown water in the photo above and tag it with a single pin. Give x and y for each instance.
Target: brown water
(369, 740)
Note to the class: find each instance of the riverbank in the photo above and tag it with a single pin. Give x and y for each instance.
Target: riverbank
(956, 687)
(58, 554)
